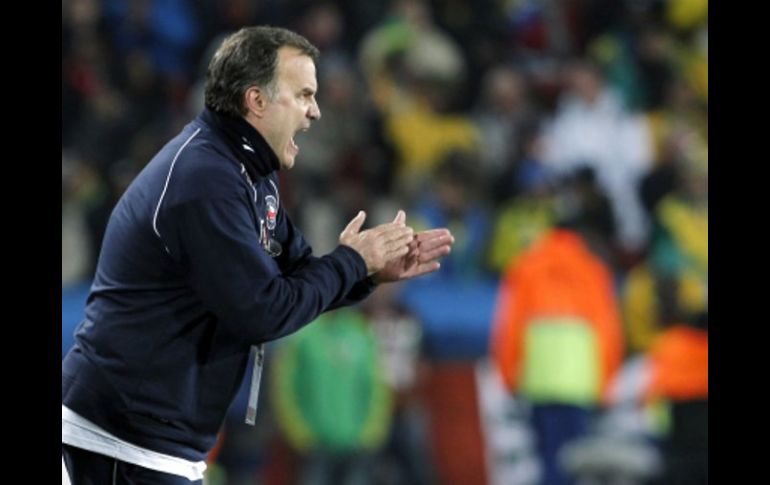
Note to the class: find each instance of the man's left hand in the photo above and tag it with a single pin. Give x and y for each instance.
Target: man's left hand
(421, 259)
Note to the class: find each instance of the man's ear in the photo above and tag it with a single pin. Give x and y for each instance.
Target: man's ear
(256, 100)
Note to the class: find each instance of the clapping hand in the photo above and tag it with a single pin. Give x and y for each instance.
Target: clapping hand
(424, 251)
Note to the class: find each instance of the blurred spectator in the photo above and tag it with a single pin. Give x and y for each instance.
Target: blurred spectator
(104, 123)
(406, 457)
(558, 339)
(526, 170)
(679, 375)
(164, 30)
(656, 66)
(686, 15)
(678, 253)
(77, 253)
(505, 420)
(523, 218)
(582, 204)
(682, 229)
(89, 200)
(657, 429)
(641, 302)
(503, 114)
(413, 70)
(425, 52)
(84, 60)
(592, 128)
(615, 54)
(624, 446)
(680, 132)
(331, 399)
(454, 201)
(323, 25)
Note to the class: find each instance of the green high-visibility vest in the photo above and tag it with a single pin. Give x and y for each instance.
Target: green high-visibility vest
(329, 391)
(561, 361)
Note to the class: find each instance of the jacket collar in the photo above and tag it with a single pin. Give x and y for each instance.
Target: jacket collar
(246, 142)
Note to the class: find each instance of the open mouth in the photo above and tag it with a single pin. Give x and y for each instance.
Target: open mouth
(293, 144)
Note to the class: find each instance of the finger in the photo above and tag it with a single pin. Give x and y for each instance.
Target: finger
(430, 233)
(400, 218)
(406, 232)
(412, 256)
(436, 240)
(434, 234)
(424, 268)
(398, 243)
(384, 229)
(354, 226)
(400, 253)
(395, 253)
(393, 233)
(411, 261)
(435, 253)
(439, 242)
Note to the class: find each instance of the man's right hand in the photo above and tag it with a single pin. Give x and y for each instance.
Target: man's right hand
(378, 245)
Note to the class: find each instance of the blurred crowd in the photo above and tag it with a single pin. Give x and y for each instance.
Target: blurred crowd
(564, 143)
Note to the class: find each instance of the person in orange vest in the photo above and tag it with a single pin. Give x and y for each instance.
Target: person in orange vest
(557, 337)
(678, 366)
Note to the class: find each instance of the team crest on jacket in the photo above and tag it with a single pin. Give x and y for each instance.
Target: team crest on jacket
(272, 211)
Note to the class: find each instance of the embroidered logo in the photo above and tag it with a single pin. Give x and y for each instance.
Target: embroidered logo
(272, 211)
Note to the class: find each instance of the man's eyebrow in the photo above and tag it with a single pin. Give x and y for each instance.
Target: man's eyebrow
(307, 90)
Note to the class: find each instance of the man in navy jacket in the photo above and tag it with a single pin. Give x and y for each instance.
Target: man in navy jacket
(201, 265)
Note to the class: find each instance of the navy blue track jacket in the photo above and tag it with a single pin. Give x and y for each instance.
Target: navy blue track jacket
(199, 262)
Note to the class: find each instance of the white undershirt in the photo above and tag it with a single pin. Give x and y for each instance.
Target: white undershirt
(79, 432)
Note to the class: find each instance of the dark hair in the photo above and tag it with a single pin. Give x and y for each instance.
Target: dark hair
(248, 58)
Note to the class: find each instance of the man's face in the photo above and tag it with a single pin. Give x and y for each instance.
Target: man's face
(294, 106)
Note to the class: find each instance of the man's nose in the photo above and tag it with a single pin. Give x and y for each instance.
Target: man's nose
(314, 113)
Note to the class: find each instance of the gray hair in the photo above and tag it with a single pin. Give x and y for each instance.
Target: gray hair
(248, 58)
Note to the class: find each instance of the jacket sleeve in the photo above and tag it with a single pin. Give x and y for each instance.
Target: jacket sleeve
(299, 254)
(359, 292)
(217, 240)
